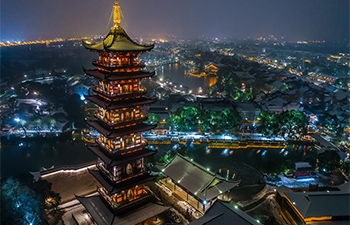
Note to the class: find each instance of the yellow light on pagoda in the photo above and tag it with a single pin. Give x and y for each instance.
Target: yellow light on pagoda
(116, 14)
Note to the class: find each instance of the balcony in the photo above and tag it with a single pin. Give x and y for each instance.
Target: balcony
(135, 171)
(137, 64)
(142, 118)
(141, 91)
(128, 148)
(124, 203)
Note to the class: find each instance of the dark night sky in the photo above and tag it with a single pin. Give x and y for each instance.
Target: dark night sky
(293, 19)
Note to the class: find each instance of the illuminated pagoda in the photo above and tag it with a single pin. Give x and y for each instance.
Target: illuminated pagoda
(123, 197)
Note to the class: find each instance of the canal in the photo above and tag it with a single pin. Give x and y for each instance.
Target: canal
(19, 155)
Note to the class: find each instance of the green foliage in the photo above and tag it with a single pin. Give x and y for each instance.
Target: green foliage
(291, 123)
(191, 118)
(288, 166)
(153, 118)
(23, 200)
(184, 119)
(164, 159)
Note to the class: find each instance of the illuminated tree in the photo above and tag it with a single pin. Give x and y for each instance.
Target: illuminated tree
(267, 123)
(184, 119)
(24, 201)
(153, 118)
(20, 205)
(292, 123)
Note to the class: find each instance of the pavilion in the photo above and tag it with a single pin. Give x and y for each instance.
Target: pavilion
(195, 184)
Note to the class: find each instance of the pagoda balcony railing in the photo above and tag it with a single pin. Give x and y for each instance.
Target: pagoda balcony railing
(115, 205)
(135, 171)
(141, 91)
(119, 122)
(97, 62)
(108, 148)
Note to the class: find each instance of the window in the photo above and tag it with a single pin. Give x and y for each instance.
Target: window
(129, 169)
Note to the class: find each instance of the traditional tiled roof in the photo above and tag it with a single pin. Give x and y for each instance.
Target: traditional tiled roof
(118, 76)
(224, 213)
(121, 131)
(117, 40)
(196, 179)
(114, 188)
(102, 214)
(320, 203)
(112, 160)
(104, 103)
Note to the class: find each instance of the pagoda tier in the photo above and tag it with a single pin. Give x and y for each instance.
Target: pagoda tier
(112, 188)
(113, 159)
(118, 132)
(121, 117)
(108, 76)
(100, 101)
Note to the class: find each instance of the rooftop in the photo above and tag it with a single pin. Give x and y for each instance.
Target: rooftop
(102, 215)
(117, 40)
(109, 133)
(224, 213)
(319, 203)
(195, 178)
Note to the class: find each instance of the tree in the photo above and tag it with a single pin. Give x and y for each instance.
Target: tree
(153, 118)
(73, 107)
(288, 166)
(20, 205)
(184, 119)
(25, 201)
(267, 123)
(230, 120)
(292, 123)
(328, 161)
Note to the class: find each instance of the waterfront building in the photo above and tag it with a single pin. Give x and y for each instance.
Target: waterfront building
(196, 185)
(209, 72)
(320, 206)
(124, 197)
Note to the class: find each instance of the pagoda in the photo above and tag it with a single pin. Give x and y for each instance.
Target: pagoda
(119, 120)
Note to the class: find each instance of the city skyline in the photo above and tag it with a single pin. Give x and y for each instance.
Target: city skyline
(224, 19)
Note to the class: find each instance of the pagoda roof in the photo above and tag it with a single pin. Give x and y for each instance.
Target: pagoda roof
(117, 40)
(115, 159)
(104, 103)
(113, 187)
(103, 215)
(118, 76)
(121, 131)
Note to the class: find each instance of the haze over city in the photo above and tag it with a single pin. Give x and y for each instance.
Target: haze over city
(295, 20)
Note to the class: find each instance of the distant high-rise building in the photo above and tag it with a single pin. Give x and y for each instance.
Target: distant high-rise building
(120, 148)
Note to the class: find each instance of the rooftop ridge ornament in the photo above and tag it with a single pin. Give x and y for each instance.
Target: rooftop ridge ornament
(116, 14)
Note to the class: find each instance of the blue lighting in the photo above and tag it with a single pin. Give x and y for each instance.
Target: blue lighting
(82, 98)
(225, 152)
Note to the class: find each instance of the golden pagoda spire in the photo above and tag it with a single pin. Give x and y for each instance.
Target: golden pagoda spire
(116, 14)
